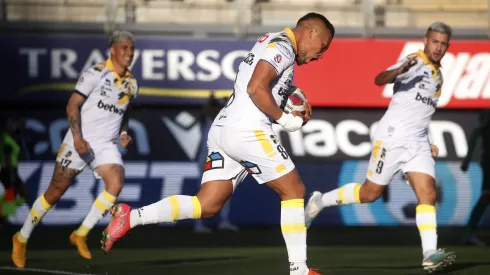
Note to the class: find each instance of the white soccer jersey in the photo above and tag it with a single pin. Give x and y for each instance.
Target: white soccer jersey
(278, 49)
(107, 98)
(415, 96)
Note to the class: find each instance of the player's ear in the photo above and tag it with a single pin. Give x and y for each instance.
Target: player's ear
(113, 51)
(425, 41)
(312, 33)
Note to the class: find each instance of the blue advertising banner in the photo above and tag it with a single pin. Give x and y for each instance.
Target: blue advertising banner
(46, 68)
(149, 181)
(331, 150)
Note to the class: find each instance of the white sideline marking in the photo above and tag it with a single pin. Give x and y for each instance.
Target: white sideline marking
(48, 271)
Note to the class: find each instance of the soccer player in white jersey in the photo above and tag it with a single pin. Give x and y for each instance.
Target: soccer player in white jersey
(98, 115)
(241, 141)
(401, 143)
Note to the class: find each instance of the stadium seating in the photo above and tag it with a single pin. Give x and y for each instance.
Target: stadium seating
(345, 13)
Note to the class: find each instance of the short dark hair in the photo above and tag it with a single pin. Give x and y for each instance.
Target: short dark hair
(314, 15)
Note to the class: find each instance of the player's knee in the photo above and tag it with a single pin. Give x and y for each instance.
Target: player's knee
(209, 210)
(370, 192)
(296, 191)
(428, 196)
(113, 176)
(369, 197)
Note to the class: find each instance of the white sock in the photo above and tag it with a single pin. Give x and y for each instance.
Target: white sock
(99, 209)
(38, 210)
(294, 232)
(347, 194)
(170, 209)
(427, 225)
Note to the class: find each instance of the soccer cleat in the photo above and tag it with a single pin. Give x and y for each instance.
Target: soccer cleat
(117, 228)
(438, 260)
(313, 208)
(81, 243)
(313, 272)
(18, 251)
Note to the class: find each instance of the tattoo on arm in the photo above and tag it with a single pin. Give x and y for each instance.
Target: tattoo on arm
(73, 112)
(74, 120)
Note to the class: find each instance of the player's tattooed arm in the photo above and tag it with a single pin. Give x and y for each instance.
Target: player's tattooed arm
(73, 112)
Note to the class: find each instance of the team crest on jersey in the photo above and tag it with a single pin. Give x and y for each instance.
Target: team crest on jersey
(251, 168)
(278, 58)
(214, 161)
(123, 98)
(274, 139)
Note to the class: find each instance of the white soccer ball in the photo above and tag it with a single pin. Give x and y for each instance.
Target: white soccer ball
(295, 100)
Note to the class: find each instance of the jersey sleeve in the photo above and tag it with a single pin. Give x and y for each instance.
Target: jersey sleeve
(87, 82)
(279, 55)
(397, 65)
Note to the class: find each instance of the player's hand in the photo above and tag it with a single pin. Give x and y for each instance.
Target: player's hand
(434, 150)
(308, 110)
(125, 139)
(407, 65)
(292, 121)
(464, 166)
(83, 149)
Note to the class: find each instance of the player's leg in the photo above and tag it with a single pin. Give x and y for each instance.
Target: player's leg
(61, 180)
(221, 175)
(291, 190)
(205, 204)
(386, 159)
(108, 165)
(479, 210)
(420, 173)
(265, 158)
(199, 226)
(113, 178)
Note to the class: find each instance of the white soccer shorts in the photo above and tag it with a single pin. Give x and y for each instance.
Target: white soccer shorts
(235, 153)
(389, 156)
(103, 154)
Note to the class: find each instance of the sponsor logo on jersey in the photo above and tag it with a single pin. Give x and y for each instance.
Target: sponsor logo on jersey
(278, 58)
(426, 100)
(110, 107)
(468, 82)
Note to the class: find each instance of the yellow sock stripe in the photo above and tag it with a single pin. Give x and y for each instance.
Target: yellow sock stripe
(36, 217)
(21, 238)
(340, 194)
(82, 231)
(424, 227)
(293, 228)
(102, 207)
(197, 208)
(299, 203)
(425, 208)
(357, 189)
(45, 203)
(174, 202)
(109, 197)
(265, 143)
